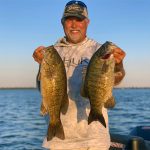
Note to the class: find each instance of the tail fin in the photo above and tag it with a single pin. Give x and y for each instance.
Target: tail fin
(55, 131)
(96, 117)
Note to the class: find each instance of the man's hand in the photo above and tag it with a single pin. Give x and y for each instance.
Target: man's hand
(38, 54)
(119, 54)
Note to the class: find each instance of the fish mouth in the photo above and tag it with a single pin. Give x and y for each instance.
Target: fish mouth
(107, 56)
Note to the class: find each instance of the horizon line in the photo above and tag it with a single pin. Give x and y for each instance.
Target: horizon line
(37, 88)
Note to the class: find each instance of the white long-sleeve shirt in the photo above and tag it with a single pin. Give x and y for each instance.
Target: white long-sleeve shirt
(78, 134)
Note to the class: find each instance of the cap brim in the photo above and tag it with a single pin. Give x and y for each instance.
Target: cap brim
(74, 15)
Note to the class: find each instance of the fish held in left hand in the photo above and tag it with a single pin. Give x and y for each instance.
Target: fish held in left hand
(99, 81)
(53, 85)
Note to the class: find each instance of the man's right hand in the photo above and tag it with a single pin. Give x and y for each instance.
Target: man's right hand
(38, 54)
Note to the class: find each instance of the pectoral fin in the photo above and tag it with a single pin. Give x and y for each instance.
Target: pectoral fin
(65, 103)
(43, 110)
(82, 90)
(38, 78)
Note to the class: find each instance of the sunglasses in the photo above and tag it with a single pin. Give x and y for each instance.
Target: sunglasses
(77, 3)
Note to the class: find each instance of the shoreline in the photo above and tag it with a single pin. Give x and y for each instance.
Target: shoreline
(15, 88)
(11, 88)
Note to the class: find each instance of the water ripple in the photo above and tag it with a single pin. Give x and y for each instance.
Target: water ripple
(22, 127)
(132, 109)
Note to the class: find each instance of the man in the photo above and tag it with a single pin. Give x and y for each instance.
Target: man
(76, 50)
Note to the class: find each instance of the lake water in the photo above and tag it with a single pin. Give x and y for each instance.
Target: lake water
(22, 128)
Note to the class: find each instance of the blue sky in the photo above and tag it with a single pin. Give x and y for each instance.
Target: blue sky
(27, 24)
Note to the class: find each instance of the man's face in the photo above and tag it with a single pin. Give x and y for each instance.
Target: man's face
(75, 29)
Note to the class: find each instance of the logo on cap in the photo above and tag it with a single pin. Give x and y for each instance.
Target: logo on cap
(74, 8)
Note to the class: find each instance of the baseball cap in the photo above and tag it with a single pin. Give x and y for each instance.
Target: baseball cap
(75, 8)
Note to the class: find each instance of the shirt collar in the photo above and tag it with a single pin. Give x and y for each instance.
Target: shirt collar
(64, 43)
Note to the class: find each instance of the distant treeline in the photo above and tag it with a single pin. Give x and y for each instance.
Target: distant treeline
(132, 87)
(3, 88)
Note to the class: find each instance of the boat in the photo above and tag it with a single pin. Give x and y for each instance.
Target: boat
(138, 139)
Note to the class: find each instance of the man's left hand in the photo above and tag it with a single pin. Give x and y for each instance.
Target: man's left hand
(119, 55)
